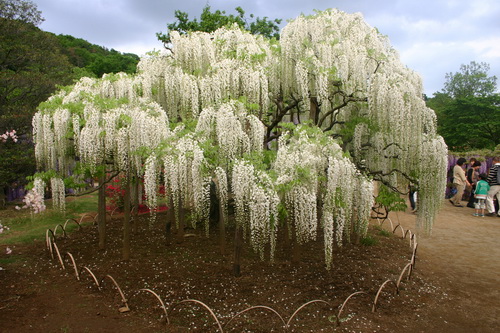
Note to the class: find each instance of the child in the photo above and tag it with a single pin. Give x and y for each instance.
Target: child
(482, 189)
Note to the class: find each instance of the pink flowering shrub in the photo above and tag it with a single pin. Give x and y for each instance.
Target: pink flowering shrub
(7, 135)
(115, 193)
(34, 201)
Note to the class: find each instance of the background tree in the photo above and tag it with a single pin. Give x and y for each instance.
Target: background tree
(210, 21)
(471, 81)
(95, 60)
(467, 109)
(21, 10)
(32, 64)
(471, 123)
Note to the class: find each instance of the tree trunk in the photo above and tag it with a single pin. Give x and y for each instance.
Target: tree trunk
(180, 230)
(101, 212)
(222, 222)
(286, 240)
(168, 223)
(313, 110)
(295, 247)
(238, 244)
(222, 229)
(126, 219)
(136, 204)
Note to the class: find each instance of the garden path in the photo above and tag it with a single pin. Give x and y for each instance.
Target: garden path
(462, 257)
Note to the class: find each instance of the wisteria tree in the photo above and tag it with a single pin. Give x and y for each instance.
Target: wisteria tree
(294, 132)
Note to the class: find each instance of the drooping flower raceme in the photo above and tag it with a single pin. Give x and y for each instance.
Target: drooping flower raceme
(256, 206)
(58, 193)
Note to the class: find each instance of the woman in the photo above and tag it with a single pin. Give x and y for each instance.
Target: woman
(460, 181)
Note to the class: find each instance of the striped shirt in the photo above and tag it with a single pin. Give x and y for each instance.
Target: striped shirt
(494, 175)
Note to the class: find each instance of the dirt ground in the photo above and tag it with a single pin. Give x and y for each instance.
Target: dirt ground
(454, 287)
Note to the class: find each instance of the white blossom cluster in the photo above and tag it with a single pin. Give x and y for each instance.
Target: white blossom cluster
(434, 153)
(151, 175)
(184, 177)
(58, 193)
(206, 69)
(347, 193)
(256, 206)
(331, 49)
(39, 187)
(298, 164)
(234, 130)
(222, 190)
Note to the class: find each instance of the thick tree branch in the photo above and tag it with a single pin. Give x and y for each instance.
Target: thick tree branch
(95, 188)
(347, 100)
(279, 117)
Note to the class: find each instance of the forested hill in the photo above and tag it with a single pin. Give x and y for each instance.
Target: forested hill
(33, 63)
(96, 59)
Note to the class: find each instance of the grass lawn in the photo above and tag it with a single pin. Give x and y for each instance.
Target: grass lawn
(24, 227)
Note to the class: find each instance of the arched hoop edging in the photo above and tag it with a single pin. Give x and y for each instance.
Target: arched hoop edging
(408, 232)
(72, 220)
(374, 307)
(263, 307)
(74, 265)
(345, 303)
(160, 300)
(85, 215)
(205, 306)
(414, 255)
(125, 308)
(402, 230)
(113, 211)
(409, 266)
(59, 256)
(413, 240)
(392, 224)
(93, 276)
(387, 219)
(53, 235)
(62, 228)
(48, 241)
(303, 306)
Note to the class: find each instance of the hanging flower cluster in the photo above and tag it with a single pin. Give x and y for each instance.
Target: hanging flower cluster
(234, 130)
(256, 206)
(298, 165)
(58, 193)
(431, 186)
(347, 192)
(184, 178)
(222, 190)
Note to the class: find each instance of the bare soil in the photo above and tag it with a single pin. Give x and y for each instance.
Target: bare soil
(453, 288)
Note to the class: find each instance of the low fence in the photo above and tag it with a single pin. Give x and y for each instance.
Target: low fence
(67, 262)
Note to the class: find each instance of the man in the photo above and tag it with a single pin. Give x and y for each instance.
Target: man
(494, 181)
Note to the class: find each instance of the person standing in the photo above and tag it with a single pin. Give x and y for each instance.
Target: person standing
(494, 181)
(473, 178)
(460, 181)
(482, 188)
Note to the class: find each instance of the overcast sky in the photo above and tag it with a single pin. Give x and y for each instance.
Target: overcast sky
(433, 37)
